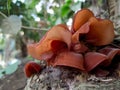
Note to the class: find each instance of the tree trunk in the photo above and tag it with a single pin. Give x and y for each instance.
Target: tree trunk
(114, 12)
(63, 78)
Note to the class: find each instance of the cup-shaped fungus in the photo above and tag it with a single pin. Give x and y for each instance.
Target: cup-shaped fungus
(93, 59)
(31, 68)
(56, 38)
(80, 18)
(62, 47)
(70, 59)
(101, 32)
(110, 53)
(93, 30)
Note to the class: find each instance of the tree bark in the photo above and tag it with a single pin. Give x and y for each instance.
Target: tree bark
(62, 78)
(114, 12)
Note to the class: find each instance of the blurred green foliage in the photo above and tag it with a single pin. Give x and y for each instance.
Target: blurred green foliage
(39, 16)
(51, 12)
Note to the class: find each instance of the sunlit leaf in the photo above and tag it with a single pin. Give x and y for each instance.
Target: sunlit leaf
(11, 25)
(10, 68)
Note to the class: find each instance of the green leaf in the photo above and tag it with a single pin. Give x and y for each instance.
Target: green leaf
(10, 68)
(11, 25)
(65, 10)
(68, 2)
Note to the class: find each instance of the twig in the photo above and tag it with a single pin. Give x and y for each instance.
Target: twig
(25, 27)
(3, 14)
(32, 28)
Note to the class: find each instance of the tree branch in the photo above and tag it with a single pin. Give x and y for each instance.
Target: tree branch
(25, 27)
(32, 28)
(3, 14)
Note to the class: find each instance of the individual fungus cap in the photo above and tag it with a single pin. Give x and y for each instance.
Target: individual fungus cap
(55, 39)
(31, 68)
(101, 32)
(93, 59)
(70, 59)
(80, 18)
(110, 53)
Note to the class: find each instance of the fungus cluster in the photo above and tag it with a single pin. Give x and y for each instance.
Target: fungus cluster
(85, 46)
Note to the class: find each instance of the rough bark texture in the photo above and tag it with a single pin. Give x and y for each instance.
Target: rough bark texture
(62, 78)
(114, 12)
